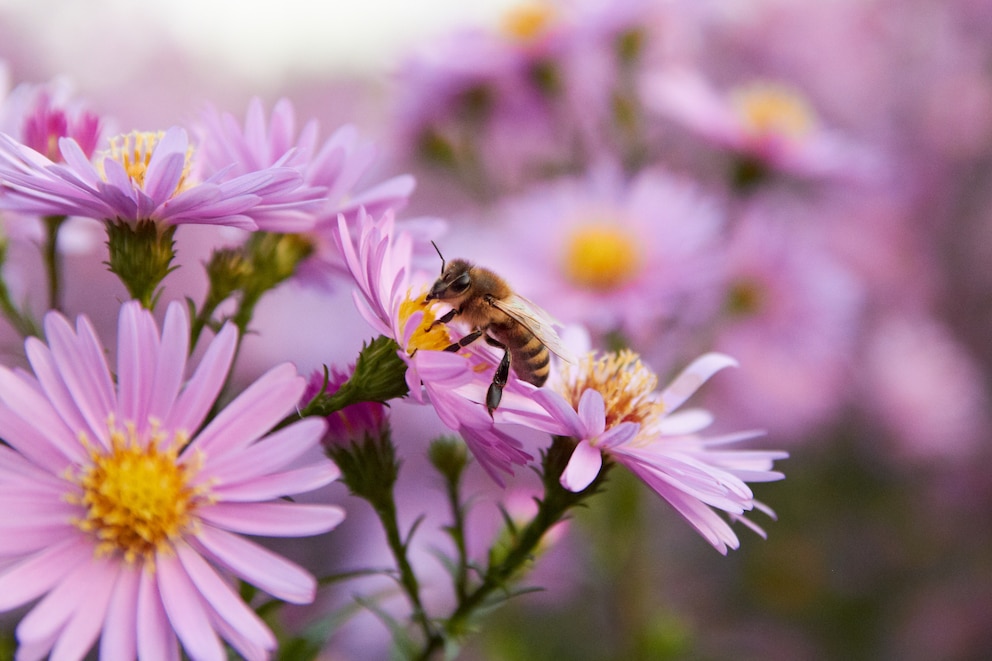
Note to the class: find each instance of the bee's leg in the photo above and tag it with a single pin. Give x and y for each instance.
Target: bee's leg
(465, 341)
(445, 318)
(495, 392)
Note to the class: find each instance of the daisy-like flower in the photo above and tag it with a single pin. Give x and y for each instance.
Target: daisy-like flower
(126, 517)
(393, 301)
(616, 255)
(40, 115)
(766, 124)
(611, 407)
(141, 177)
(337, 166)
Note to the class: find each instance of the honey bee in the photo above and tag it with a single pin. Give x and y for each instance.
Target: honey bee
(503, 318)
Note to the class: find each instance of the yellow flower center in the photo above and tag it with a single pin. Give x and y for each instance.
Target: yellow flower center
(137, 495)
(768, 109)
(134, 151)
(624, 382)
(600, 256)
(528, 20)
(427, 335)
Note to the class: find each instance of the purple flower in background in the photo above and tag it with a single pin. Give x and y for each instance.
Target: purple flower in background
(611, 407)
(141, 177)
(616, 255)
(125, 509)
(352, 423)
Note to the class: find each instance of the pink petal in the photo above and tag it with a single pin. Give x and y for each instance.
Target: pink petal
(273, 519)
(277, 485)
(592, 413)
(270, 454)
(254, 412)
(119, 638)
(582, 468)
(693, 376)
(137, 347)
(84, 626)
(185, 610)
(170, 368)
(258, 566)
(34, 576)
(225, 602)
(156, 640)
(203, 387)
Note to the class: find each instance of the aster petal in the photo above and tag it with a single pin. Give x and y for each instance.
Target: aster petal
(693, 376)
(273, 519)
(83, 627)
(165, 168)
(37, 574)
(271, 453)
(203, 387)
(32, 427)
(137, 348)
(707, 523)
(78, 163)
(592, 413)
(119, 638)
(255, 411)
(54, 389)
(686, 421)
(618, 435)
(560, 410)
(257, 565)
(170, 366)
(185, 609)
(67, 597)
(277, 485)
(583, 467)
(223, 600)
(156, 640)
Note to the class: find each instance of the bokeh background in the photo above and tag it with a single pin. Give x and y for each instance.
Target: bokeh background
(806, 186)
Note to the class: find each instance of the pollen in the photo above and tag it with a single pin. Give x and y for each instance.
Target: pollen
(528, 20)
(600, 256)
(136, 495)
(134, 152)
(428, 334)
(769, 109)
(626, 384)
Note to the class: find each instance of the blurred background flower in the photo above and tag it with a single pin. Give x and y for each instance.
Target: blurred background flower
(806, 187)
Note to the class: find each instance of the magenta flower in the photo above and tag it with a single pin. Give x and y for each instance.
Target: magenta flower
(337, 167)
(393, 302)
(142, 177)
(611, 408)
(354, 422)
(39, 115)
(125, 509)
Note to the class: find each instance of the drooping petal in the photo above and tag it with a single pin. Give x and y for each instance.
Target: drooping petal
(120, 639)
(693, 376)
(582, 468)
(185, 609)
(274, 519)
(156, 640)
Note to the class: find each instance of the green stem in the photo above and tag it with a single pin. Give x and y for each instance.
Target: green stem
(53, 261)
(21, 321)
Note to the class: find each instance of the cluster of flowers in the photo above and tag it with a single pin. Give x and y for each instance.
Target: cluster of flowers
(127, 491)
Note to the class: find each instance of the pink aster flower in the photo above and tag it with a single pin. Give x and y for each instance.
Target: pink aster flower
(352, 423)
(616, 255)
(39, 115)
(125, 508)
(337, 166)
(392, 299)
(766, 122)
(141, 177)
(610, 406)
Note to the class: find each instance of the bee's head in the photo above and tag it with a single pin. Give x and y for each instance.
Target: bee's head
(454, 282)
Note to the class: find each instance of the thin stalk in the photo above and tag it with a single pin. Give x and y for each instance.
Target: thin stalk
(53, 261)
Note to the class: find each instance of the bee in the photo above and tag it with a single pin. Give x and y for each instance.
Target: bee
(503, 318)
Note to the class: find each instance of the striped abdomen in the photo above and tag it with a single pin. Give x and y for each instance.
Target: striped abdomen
(529, 358)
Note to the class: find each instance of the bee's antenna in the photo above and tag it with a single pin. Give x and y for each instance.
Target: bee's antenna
(439, 255)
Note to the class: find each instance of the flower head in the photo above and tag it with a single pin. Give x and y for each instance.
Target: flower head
(393, 301)
(337, 167)
(140, 177)
(610, 406)
(126, 507)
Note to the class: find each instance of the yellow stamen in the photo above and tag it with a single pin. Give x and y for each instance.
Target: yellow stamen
(768, 109)
(428, 335)
(625, 383)
(137, 495)
(600, 256)
(134, 151)
(528, 20)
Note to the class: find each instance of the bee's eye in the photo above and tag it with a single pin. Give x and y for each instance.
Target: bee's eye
(461, 283)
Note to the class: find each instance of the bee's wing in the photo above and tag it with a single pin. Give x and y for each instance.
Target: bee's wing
(537, 321)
